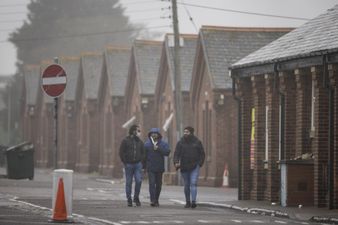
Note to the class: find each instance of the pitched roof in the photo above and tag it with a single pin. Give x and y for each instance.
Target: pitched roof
(318, 35)
(117, 61)
(92, 70)
(223, 46)
(147, 60)
(71, 66)
(187, 55)
(32, 83)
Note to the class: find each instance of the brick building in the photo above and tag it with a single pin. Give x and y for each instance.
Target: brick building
(164, 93)
(87, 112)
(29, 112)
(112, 88)
(140, 87)
(45, 124)
(67, 123)
(215, 110)
(287, 93)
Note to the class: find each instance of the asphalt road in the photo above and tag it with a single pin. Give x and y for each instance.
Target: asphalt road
(98, 201)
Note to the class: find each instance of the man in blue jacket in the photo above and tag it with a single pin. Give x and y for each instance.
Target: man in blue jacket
(155, 149)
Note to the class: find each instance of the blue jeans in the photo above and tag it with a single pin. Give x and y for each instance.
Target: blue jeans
(133, 170)
(190, 183)
(155, 185)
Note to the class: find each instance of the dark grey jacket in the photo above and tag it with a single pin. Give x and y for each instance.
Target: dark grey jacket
(132, 150)
(189, 153)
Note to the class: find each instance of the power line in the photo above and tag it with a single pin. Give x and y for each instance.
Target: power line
(136, 2)
(243, 12)
(10, 21)
(83, 35)
(190, 17)
(12, 13)
(144, 10)
(12, 5)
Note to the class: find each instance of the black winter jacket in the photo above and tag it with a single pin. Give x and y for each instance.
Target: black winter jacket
(132, 150)
(189, 153)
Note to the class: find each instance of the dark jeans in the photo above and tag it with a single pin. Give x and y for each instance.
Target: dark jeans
(133, 170)
(155, 185)
(190, 183)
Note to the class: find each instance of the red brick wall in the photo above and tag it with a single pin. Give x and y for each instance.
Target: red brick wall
(288, 88)
(303, 111)
(70, 133)
(333, 71)
(273, 173)
(119, 117)
(259, 173)
(320, 140)
(94, 153)
(244, 92)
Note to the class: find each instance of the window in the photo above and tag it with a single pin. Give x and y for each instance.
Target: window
(266, 133)
(313, 101)
(252, 141)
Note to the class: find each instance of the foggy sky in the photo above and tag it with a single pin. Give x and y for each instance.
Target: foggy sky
(154, 14)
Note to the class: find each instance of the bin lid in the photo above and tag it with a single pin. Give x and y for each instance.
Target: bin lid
(22, 147)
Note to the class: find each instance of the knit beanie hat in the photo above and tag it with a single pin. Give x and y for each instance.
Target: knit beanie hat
(190, 129)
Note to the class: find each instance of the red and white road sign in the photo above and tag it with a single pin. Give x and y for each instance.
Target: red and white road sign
(54, 80)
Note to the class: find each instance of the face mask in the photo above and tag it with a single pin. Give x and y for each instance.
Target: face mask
(138, 134)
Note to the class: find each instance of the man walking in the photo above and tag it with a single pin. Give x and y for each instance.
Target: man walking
(189, 157)
(155, 149)
(132, 155)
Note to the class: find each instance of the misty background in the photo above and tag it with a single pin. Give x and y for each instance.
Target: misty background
(35, 30)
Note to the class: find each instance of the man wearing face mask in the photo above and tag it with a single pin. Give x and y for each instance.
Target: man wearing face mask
(132, 155)
(189, 157)
(155, 149)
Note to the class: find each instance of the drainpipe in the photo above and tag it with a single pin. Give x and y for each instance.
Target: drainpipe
(239, 137)
(281, 155)
(331, 131)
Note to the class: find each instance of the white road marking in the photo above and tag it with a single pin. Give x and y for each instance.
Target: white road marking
(151, 222)
(256, 221)
(74, 214)
(103, 221)
(209, 221)
(178, 201)
(237, 221)
(279, 221)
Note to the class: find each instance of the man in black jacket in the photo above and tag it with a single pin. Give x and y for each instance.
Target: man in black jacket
(132, 155)
(189, 157)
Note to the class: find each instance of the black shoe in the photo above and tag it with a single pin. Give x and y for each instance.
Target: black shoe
(152, 204)
(157, 204)
(187, 205)
(137, 202)
(130, 203)
(193, 205)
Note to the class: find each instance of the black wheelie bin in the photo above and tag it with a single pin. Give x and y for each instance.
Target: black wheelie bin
(20, 161)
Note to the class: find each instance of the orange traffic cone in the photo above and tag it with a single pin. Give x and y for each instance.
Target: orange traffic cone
(60, 211)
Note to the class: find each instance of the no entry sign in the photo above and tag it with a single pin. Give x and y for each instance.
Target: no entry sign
(54, 80)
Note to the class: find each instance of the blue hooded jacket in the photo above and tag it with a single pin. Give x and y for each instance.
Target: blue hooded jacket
(155, 158)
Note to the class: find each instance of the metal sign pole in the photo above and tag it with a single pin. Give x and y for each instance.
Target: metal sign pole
(56, 60)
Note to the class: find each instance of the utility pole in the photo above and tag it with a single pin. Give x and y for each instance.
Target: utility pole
(177, 72)
(177, 78)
